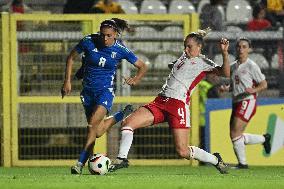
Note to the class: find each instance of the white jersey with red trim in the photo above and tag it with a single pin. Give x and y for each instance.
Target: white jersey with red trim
(245, 75)
(185, 75)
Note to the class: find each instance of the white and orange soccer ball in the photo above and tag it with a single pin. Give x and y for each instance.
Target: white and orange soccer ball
(98, 164)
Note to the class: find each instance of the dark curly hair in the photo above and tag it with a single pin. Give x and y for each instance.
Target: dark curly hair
(117, 24)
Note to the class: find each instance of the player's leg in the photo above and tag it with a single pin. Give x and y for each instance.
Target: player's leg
(94, 120)
(178, 117)
(181, 140)
(242, 113)
(106, 99)
(259, 139)
(113, 119)
(249, 109)
(140, 118)
(237, 127)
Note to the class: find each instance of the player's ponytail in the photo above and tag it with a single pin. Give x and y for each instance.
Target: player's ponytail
(197, 36)
(121, 24)
(117, 24)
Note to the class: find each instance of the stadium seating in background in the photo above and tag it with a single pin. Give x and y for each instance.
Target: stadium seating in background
(201, 4)
(218, 59)
(238, 11)
(260, 60)
(162, 60)
(153, 7)
(128, 6)
(147, 47)
(275, 61)
(172, 32)
(235, 29)
(181, 7)
(175, 47)
(145, 59)
(54, 6)
(145, 32)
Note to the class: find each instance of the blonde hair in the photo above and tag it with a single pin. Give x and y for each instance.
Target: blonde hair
(197, 36)
(203, 32)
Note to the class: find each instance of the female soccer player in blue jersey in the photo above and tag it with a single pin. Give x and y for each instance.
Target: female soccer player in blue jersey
(99, 72)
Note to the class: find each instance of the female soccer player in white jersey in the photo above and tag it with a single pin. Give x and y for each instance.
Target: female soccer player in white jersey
(100, 64)
(247, 80)
(172, 103)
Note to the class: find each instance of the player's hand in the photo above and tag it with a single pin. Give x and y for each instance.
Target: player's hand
(130, 81)
(224, 45)
(224, 88)
(66, 89)
(250, 90)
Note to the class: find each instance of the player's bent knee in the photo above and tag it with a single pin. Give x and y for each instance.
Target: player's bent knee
(100, 132)
(126, 122)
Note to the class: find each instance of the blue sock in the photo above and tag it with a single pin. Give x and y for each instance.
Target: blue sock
(118, 116)
(84, 157)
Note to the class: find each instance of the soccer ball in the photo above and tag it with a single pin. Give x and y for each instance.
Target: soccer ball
(98, 164)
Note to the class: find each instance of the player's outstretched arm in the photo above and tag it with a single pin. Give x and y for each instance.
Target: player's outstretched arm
(66, 88)
(224, 45)
(142, 69)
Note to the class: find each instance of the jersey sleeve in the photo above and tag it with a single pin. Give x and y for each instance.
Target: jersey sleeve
(81, 46)
(209, 65)
(130, 56)
(257, 75)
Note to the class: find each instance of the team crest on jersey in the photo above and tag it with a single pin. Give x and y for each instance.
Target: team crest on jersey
(113, 54)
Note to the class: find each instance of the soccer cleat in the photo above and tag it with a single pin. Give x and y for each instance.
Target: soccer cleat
(118, 163)
(76, 170)
(221, 166)
(128, 109)
(267, 144)
(240, 166)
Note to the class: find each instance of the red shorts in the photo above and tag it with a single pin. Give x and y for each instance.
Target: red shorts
(245, 109)
(170, 110)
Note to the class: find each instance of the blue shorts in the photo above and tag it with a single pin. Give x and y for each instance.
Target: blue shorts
(91, 98)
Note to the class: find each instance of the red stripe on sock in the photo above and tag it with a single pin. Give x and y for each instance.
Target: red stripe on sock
(127, 130)
(235, 139)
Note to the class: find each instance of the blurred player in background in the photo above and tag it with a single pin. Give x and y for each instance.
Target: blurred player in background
(100, 63)
(247, 80)
(172, 103)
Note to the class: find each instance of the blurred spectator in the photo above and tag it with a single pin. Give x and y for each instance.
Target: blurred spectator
(18, 6)
(108, 7)
(75, 6)
(259, 22)
(212, 15)
(275, 8)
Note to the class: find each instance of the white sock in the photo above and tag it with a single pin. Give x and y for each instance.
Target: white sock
(201, 155)
(125, 142)
(239, 148)
(253, 139)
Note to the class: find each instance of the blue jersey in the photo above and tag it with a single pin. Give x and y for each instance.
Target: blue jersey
(101, 64)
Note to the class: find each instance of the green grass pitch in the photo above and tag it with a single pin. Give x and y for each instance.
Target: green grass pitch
(143, 177)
